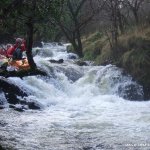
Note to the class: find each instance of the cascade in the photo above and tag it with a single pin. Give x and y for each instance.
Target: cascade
(83, 107)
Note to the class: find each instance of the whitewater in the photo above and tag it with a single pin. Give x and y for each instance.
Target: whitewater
(82, 108)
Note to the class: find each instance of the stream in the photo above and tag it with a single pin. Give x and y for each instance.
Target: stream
(82, 108)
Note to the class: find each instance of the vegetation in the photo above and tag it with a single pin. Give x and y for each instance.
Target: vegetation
(133, 54)
(28, 15)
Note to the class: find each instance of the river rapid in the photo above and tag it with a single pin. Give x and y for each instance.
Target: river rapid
(82, 108)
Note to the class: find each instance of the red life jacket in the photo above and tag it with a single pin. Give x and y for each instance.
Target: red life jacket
(11, 50)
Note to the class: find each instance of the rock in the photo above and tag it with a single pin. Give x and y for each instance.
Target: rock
(37, 44)
(16, 97)
(146, 92)
(60, 44)
(34, 105)
(60, 61)
(17, 108)
(131, 92)
(2, 106)
(11, 91)
(81, 63)
(23, 73)
(72, 56)
(106, 62)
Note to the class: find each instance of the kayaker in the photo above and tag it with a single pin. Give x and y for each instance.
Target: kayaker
(15, 51)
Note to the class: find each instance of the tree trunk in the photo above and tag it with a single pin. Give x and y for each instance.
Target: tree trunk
(30, 28)
(80, 49)
(136, 16)
(120, 21)
(114, 24)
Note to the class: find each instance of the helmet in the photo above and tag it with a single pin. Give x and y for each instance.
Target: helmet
(8, 45)
(18, 40)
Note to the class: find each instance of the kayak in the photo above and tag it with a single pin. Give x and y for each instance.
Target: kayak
(20, 64)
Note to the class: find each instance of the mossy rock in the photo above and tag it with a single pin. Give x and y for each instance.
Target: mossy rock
(70, 48)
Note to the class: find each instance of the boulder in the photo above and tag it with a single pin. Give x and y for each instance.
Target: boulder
(72, 56)
(37, 44)
(81, 63)
(131, 92)
(16, 97)
(60, 61)
(11, 91)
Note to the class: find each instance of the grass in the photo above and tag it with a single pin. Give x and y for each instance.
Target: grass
(133, 52)
(92, 45)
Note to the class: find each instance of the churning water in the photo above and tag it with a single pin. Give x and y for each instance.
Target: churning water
(82, 108)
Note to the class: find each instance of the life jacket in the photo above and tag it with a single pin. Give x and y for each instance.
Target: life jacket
(11, 49)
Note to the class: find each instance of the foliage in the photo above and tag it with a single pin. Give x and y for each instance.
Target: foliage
(15, 14)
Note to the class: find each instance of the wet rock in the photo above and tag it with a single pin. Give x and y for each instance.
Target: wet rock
(106, 62)
(131, 92)
(60, 61)
(81, 63)
(146, 92)
(87, 148)
(11, 91)
(60, 44)
(2, 106)
(72, 56)
(17, 108)
(16, 97)
(23, 73)
(37, 44)
(34, 105)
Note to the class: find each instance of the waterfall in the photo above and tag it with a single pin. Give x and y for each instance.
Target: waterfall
(84, 107)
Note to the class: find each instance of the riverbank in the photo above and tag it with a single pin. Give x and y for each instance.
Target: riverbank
(132, 53)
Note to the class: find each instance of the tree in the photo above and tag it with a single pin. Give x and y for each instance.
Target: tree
(71, 23)
(113, 7)
(134, 6)
(29, 13)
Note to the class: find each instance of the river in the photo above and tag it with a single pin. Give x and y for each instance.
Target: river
(82, 108)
